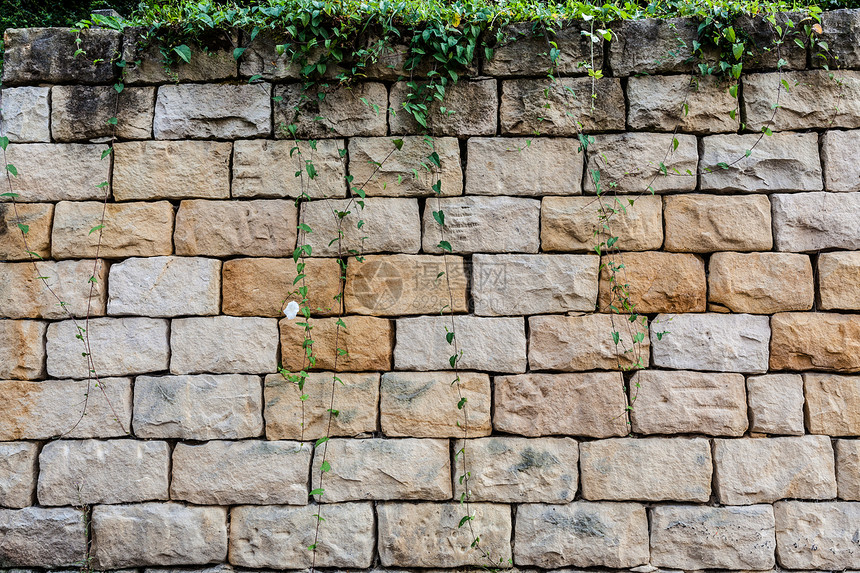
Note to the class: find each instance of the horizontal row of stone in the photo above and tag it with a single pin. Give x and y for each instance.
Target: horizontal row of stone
(580, 534)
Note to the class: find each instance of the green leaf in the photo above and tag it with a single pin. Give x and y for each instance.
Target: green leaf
(464, 520)
(112, 121)
(96, 228)
(611, 241)
(184, 52)
(118, 87)
(766, 130)
(107, 152)
(321, 441)
(398, 143)
(675, 144)
(4, 143)
(733, 91)
(325, 467)
(434, 159)
(445, 246)
(11, 169)
(237, 53)
(449, 337)
(10, 195)
(738, 50)
(440, 217)
(317, 491)
(256, 77)
(437, 187)
(461, 403)
(616, 337)
(452, 360)
(24, 228)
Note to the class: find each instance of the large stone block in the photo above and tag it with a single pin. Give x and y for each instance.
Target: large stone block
(24, 295)
(18, 472)
(837, 281)
(525, 50)
(213, 111)
(653, 282)
(690, 105)
(706, 223)
(357, 110)
(37, 217)
(262, 58)
(848, 469)
(813, 98)
(365, 343)
(277, 169)
(88, 112)
(760, 283)
(776, 404)
(814, 221)
(815, 341)
(145, 63)
(761, 52)
(653, 46)
(468, 107)
(22, 354)
(840, 29)
(224, 345)
(42, 537)
(48, 55)
(590, 404)
(830, 401)
(26, 114)
(58, 171)
(817, 535)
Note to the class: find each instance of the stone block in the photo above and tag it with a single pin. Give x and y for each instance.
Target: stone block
(470, 108)
(47, 55)
(817, 535)
(24, 295)
(653, 46)
(268, 169)
(690, 105)
(84, 112)
(760, 283)
(224, 345)
(22, 354)
(762, 52)
(261, 58)
(830, 403)
(364, 344)
(58, 171)
(26, 114)
(342, 110)
(655, 282)
(837, 281)
(814, 221)
(525, 51)
(815, 341)
(706, 223)
(42, 536)
(776, 404)
(145, 64)
(37, 217)
(213, 111)
(841, 171)
(848, 469)
(840, 29)
(642, 163)
(18, 473)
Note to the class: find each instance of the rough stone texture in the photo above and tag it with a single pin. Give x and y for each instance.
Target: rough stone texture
(42, 537)
(390, 225)
(523, 166)
(158, 534)
(79, 472)
(380, 169)
(776, 404)
(207, 111)
(424, 404)
(760, 283)
(396, 285)
(815, 221)
(718, 342)
(688, 403)
(224, 345)
(130, 230)
(525, 51)
(203, 407)
(266, 168)
(830, 401)
(761, 52)
(778, 163)
(37, 217)
(817, 535)
(707, 223)
(471, 109)
(230, 473)
(505, 284)
(848, 469)
(570, 223)
(493, 344)
(647, 469)
(590, 404)
(652, 46)
(574, 343)
(815, 341)
(367, 341)
(380, 469)
(658, 282)
(342, 110)
(484, 224)
(224, 228)
(581, 534)
(702, 537)
(82, 112)
(22, 354)
(261, 58)
(26, 114)
(427, 535)
(631, 162)
(837, 281)
(24, 295)
(839, 30)
(145, 64)
(57, 171)
(118, 346)
(841, 171)
(18, 472)
(657, 104)
(44, 410)
(278, 536)
(47, 55)
(171, 170)
(288, 417)
(523, 106)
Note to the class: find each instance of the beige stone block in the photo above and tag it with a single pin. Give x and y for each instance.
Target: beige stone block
(642, 163)
(84, 112)
(381, 170)
(470, 108)
(23, 293)
(483, 225)
(807, 222)
(22, 354)
(365, 343)
(776, 404)
(342, 110)
(691, 105)
(526, 52)
(837, 281)
(58, 171)
(815, 341)
(817, 535)
(42, 537)
(145, 63)
(841, 171)
(707, 223)
(760, 283)
(848, 469)
(18, 472)
(653, 282)
(224, 345)
(830, 400)
(277, 169)
(213, 111)
(652, 46)
(26, 114)
(38, 218)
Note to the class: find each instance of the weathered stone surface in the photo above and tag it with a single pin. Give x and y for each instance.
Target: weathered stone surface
(57, 171)
(118, 347)
(427, 535)
(396, 285)
(581, 534)
(78, 472)
(841, 170)
(779, 163)
(266, 168)
(207, 111)
(145, 64)
(837, 280)
(471, 108)
(633, 162)
(588, 404)
(251, 471)
(380, 169)
(381, 469)
(42, 537)
(702, 537)
(202, 407)
(718, 342)
(574, 343)
(342, 111)
(541, 106)
(817, 535)
(657, 282)
(278, 536)
(815, 221)
(761, 52)
(24, 295)
(18, 472)
(494, 344)
(263, 228)
(526, 51)
(848, 469)
(570, 223)
(158, 534)
(83, 112)
(815, 341)
(37, 217)
(366, 340)
(830, 403)
(688, 403)
(764, 470)
(171, 170)
(652, 46)
(647, 469)
(390, 225)
(424, 404)
(47, 55)
(760, 283)
(224, 345)
(484, 224)
(840, 29)
(22, 354)
(43, 410)
(706, 223)
(776, 404)
(26, 114)
(130, 230)
(288, 417)
(667, 103)
(261, 58)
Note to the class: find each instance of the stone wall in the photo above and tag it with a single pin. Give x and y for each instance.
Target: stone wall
(741, 451)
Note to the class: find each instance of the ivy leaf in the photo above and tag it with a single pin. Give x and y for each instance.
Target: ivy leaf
(4, 143)
(675, 144)
(317, 491)
(440, 217)
(107, 152)
(449, 337)
(24, 228)
(461, 403)
(445, 246)
(237, 53)
(10, 195)
(184, 52)
(616, 337)
(398, 143)
(96, 228)
(325, 467)
(11, 169)
(738, 50)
